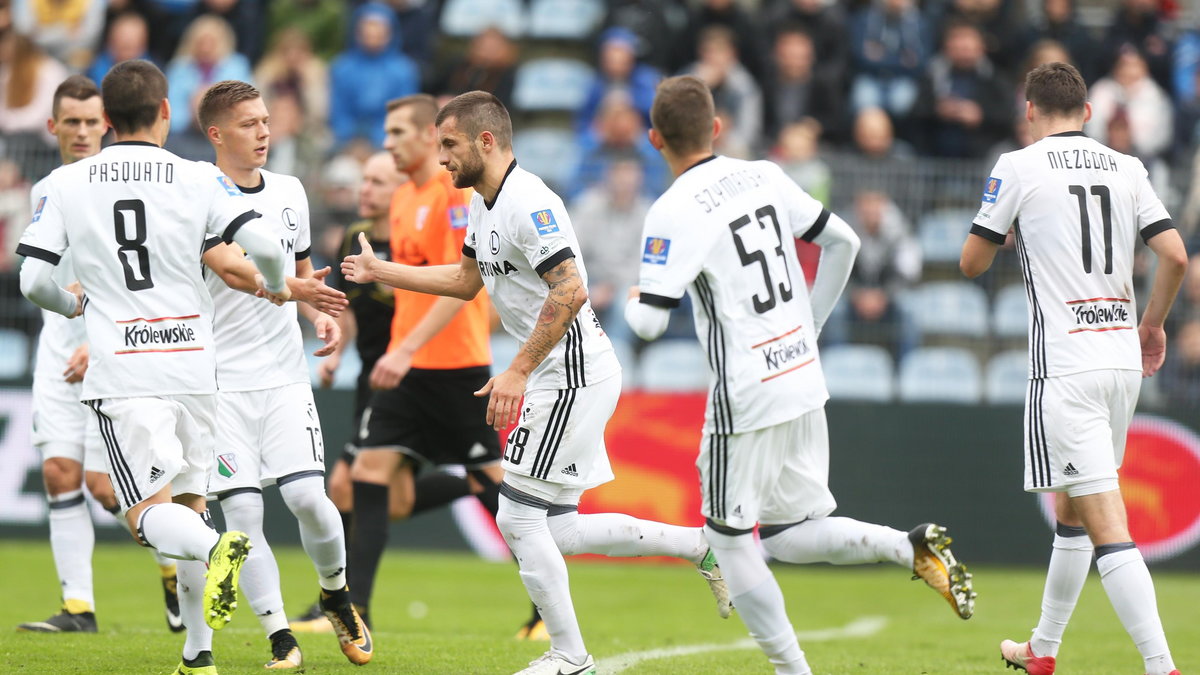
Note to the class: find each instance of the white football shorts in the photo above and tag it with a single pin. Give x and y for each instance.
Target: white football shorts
(1075, 428)
(155, 441)
(774, 476)
(559, 437)
(266, 435)
(65, 427)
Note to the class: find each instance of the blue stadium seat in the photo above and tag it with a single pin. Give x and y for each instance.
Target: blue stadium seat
(564, 19)
(950, 308)
(1008, 377)
(549, 153)
(347, 372)
(673, 365)
(551, 84)
(942, 233)
(14, 354)
(504, 350)
(467, 18)
(1010, 313)
(859, 372)
(940, 374)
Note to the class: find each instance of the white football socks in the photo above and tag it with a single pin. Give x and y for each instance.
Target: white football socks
(72, 540)
(260, 573)
(622, 536)
(1070, 561)
(320, 529)
(759, 600)
(544, 573)
(177, 532)
(1130, 589)
(191, 607)
(841, 541)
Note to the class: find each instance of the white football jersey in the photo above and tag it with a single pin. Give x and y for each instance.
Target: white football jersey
(259, 345)
(135, 217)
(723, 232)
(1076, 208)
(60, 336)
(516, 239)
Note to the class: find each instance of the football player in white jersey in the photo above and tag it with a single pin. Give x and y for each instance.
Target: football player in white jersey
(135, 218)
(64, 430)
(1076, 209)
(724, 232)
(270, 432)
(520, 245)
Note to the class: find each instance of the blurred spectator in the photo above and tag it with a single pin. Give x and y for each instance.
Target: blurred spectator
(964, 106)
(875, 139)
(1040, 52)
(825, 24)
(14, 211)
(735, 92)
(248, 18)
(657, 25)
(68, 31)
(1189, 220)
(796, 153)
(28, 78)
(171, 20)
(1186, 82)
(290, 71)
(1129, 90)
(618, 133)
(888, 263)
(618, 70)
(888, 42)
(323, 21)
(608, 219)
(1138, 24)
(128, 38)
(416, 24)
(1003, 38)
(292, 151)
(793, 90)
(489, 65)
(1180, 374)
(745, 37)
(1059, 23)
(206, 55)
(366, 76)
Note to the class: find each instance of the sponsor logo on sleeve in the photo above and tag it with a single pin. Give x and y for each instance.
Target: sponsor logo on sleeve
(458, 217)
(37, 213)
(227, 184)
(656, 250)
(991, 190)
(544, 221)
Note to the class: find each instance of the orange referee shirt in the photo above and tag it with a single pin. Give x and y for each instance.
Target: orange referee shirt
(429, 225)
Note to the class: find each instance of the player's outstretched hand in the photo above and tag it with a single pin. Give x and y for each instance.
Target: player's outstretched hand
(1154, 348)
(506, 391)
(358, 268)
(77, 365)
(316, 293)
(327, 368)
(391, 368)
(329, 332)
(273, 298)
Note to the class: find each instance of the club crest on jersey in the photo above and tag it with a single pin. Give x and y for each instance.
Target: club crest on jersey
(290, 220)
(230, 189)
(458, 217)
(227, 464)
(544, 221)
(656, 250)
(991, 189)
(37, 213)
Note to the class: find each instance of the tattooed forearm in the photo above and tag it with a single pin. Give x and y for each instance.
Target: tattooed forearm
(563, 301)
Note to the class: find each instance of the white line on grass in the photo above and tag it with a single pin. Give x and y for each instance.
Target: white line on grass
(860, 627)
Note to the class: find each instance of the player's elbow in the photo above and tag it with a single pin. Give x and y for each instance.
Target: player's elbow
(970, 268)
(1175, 260)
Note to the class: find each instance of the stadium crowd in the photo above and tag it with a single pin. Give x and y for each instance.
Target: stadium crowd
(888, 111)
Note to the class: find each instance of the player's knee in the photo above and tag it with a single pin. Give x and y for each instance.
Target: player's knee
(99, 485)
(61, 475)
(564, 527)
(400, 503)
(305, 498)
(516, 520)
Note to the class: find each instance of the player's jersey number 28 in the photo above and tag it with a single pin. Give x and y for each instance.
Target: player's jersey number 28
(129, 220)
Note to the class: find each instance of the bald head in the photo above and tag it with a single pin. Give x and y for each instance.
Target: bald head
(380, 180)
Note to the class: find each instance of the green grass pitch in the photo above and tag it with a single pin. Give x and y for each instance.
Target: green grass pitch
(448, 613)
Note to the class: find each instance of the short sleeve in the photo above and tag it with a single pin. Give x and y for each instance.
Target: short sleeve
(806, 215)
(469, 238)
(671, 259)
(304, 227)
(46, 236)
(1001, 197)
(1152, 216)
(228, 209)
(542, 236)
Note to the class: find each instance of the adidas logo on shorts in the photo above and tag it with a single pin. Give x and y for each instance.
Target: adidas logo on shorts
(570, 471)
(1070, 470)
(155, 473)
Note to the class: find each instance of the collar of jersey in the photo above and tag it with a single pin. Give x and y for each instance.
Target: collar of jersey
(488, 205)
(703, 161)
(1064, 134)
(146, 143)
(262, 184)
